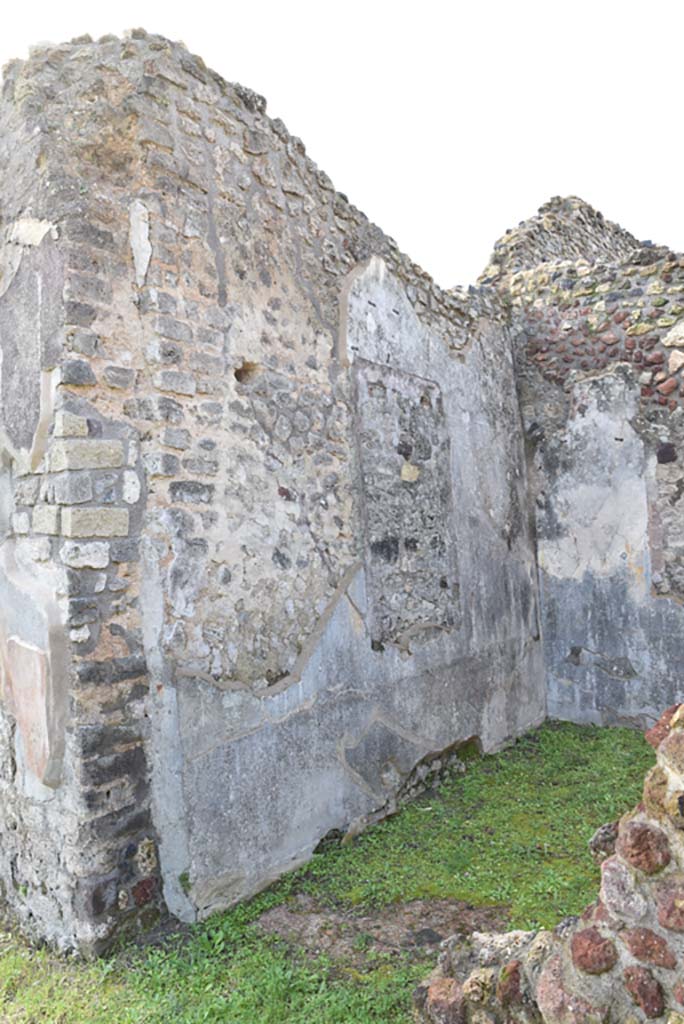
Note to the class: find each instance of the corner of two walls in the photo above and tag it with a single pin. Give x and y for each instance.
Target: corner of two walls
(71, 782)
(600, 375)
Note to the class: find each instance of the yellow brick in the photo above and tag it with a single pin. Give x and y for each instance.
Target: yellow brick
(95, 522)
(69, 425)
(85, 454)
(409, 472)
(46, 519)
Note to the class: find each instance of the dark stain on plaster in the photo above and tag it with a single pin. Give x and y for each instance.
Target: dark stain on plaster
(387, 548)
(616, 666)
(666, 452)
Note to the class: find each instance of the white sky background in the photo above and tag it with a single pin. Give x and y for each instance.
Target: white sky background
(446, 123)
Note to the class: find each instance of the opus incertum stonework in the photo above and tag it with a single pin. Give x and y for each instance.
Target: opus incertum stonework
(283, 523)
(621, 961)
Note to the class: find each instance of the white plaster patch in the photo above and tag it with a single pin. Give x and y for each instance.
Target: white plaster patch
(28, 231)
(607, 529)
(140, 240)
(380, 324)
(600, 502)
(131, 487)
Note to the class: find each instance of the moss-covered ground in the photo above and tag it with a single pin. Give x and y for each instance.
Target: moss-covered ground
(512, 830)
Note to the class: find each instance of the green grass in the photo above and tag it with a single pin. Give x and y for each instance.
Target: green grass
(513, 830)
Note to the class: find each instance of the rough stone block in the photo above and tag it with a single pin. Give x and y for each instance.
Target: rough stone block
(119, 376)
(78, 373)
(174, 329)
(46, 519)
(21, 523)
(176, 382)
(86, 454)
(71, 488)
(125, 551)
(161, 464)
(176, 437)
(83, 341)
(85, 556)
(131, 487)
(191, 491)
(26, 490)
(67, 424)
(95, 522)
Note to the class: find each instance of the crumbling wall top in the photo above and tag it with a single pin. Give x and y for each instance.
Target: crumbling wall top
(64, 90)
(564, 229)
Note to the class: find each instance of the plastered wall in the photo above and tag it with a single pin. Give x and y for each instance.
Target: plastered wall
(282, 523)
(273, 481)
(597, 322)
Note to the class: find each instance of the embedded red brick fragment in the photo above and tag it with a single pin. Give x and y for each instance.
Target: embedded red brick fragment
(509, 985)
(668, 386)
(649, 947)
(444, 1002)
(670, 900)
(659, 731)
(645, 990)
(557, 1003)
(592, 952)
(144, 891)
(645, 847)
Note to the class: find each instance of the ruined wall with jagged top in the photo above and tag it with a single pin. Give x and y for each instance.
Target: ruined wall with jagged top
(598, 324)
(282, 523)
(274, 479)
(620, 960)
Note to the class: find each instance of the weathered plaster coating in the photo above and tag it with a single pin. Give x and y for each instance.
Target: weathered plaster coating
(349, 724)
(602, 397)
(613, 645)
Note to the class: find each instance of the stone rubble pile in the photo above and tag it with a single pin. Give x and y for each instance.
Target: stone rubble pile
(622, 960)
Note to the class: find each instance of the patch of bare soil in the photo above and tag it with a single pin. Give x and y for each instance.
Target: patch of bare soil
(412, 929)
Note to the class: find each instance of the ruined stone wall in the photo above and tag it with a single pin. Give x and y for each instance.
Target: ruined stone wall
(268, 551)
(562, 231)
(277, 482)
(600, 349)
(620, 960)
(77, 835)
